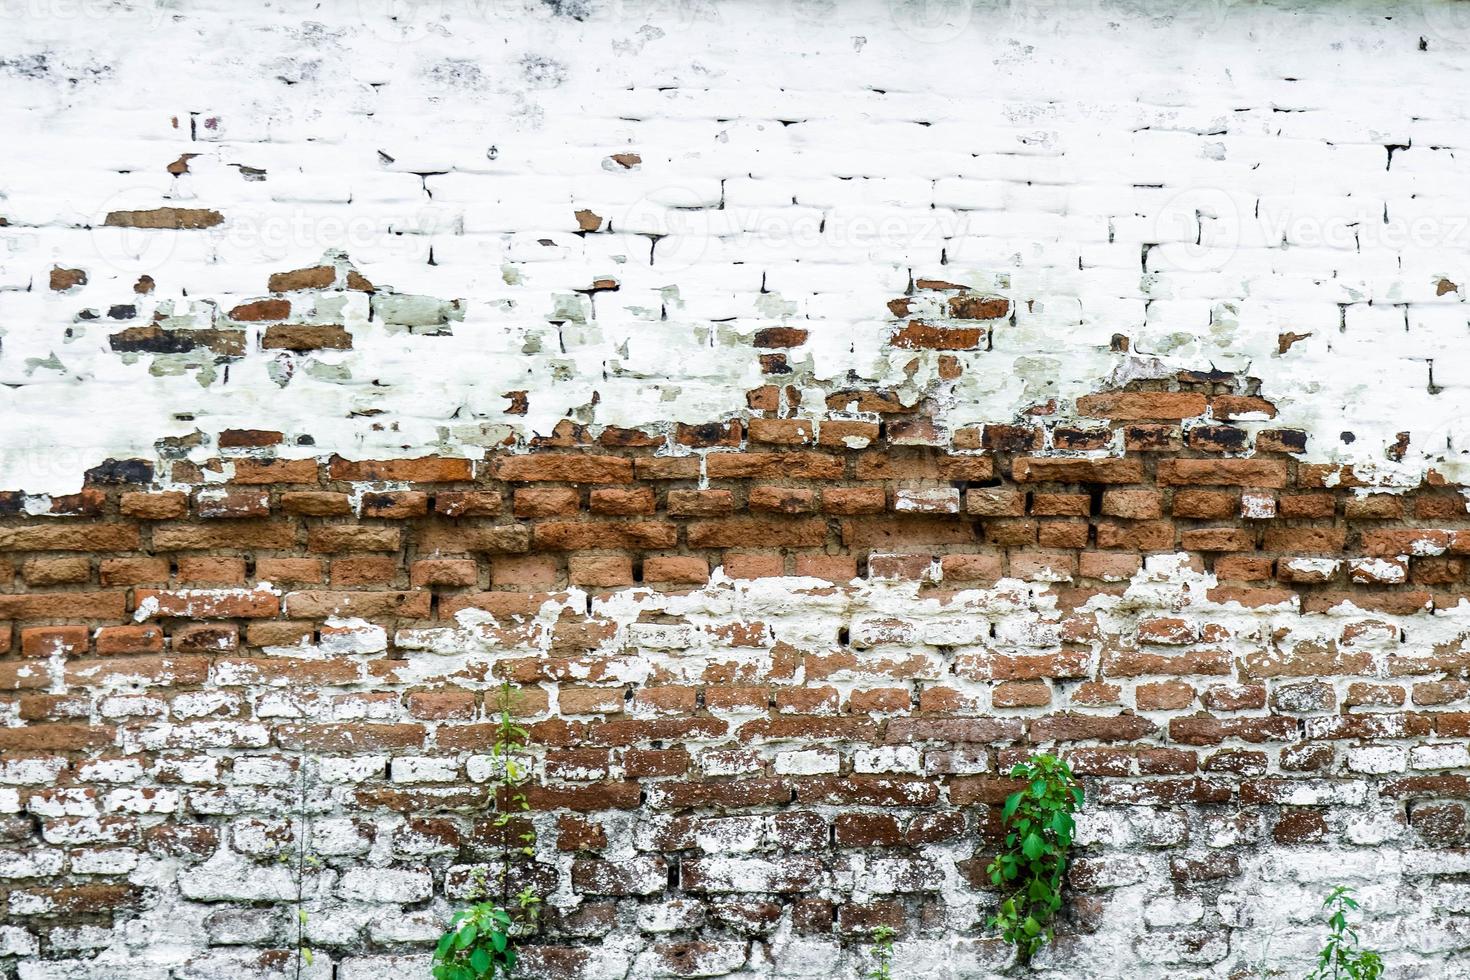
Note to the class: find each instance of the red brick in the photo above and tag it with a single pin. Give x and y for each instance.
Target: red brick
(51, 641)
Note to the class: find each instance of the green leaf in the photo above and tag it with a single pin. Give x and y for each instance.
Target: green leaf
(1032, 846)
(1012, 801)
(480, 960)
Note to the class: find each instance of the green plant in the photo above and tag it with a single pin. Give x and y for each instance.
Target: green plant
(1341, 958)
(299, 859)
(882, 950)
(1033, 862)
(482, 939)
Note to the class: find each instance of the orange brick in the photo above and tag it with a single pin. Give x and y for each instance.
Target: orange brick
(363, 570)
(754, 565)
(700, 503)
(1306, 505)
(1108, 566)
(676, 569)
(316, 503)
(995, 502)
(546, 502)
(600, 571)
(454, 572)
(427, 469)
(134, 571)
(1060, 505)
(1242, 568)
(155, 506)
(57, 571)
(212, 571)
(781, 432)
(1133, 406)
(1217, 539)
(468, 503)
(525, 572)
(263, 471)
(1133, 504)
(288, 570)
(1063, 534)
(971, 568)
(625, 502)
(833, 568)
(1205, 504)
(854, 500)
(563, 468)
(782, 500)
(396, 504)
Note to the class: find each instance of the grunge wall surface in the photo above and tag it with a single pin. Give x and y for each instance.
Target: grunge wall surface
(809, 408)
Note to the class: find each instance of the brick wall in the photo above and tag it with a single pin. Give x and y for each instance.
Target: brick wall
(809, 411)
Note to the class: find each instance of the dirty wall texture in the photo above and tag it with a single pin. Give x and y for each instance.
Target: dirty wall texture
(809, 409)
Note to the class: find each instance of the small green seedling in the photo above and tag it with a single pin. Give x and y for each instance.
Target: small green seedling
(1342, 958)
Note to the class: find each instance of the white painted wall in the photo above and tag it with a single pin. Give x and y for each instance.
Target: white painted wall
(805, 159)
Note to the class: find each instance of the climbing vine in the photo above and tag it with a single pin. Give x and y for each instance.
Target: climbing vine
(1032, 864)
(482, 940)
